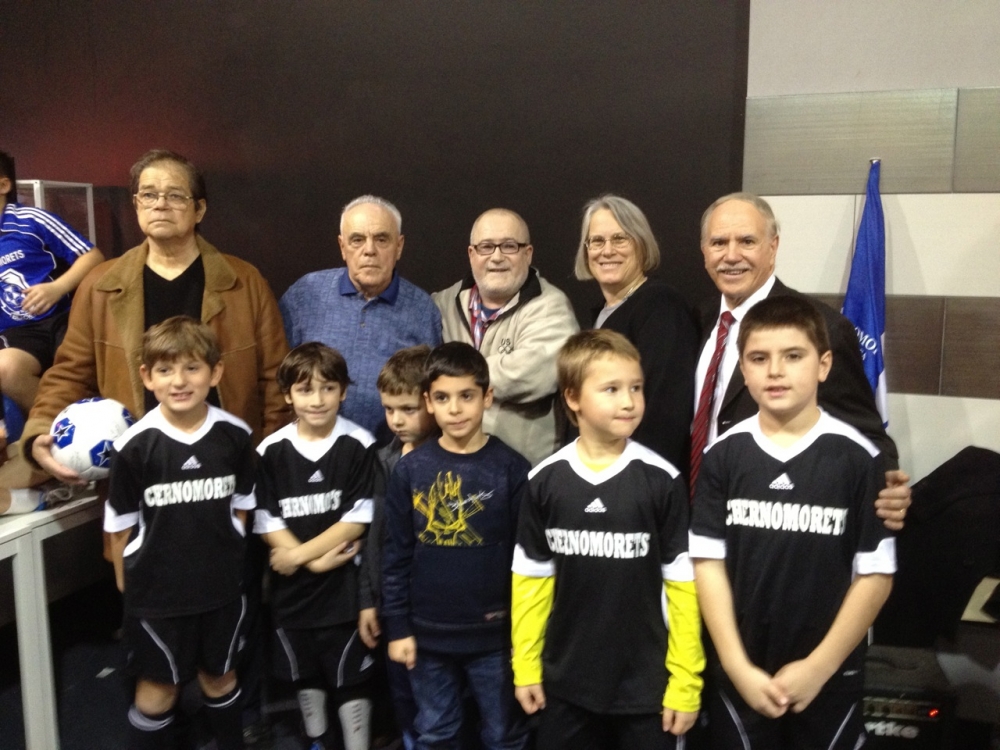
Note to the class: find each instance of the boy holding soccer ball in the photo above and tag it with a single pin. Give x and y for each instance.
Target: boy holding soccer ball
(182, 481)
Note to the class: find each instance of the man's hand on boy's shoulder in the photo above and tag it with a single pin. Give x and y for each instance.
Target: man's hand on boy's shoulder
(531, 697)
(678, 722)
(801, 681)
(404, 651)
(894, 500)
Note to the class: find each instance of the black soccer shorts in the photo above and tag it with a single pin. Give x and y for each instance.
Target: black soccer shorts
(335, 653)
(172, 650)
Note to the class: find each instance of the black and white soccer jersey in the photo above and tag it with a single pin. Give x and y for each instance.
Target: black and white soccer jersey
(794, 525)
(610, 538)
(306, 487)
(179, 493)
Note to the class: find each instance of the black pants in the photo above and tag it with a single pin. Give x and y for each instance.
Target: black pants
(565, 726)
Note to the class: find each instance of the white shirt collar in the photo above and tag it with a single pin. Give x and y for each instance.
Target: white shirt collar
(740, 310)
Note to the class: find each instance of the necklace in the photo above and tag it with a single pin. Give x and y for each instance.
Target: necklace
(630, 292)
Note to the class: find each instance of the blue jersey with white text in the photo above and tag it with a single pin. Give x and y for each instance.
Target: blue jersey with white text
(32, 243)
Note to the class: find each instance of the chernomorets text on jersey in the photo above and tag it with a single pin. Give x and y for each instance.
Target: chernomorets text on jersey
(765, 514)
(190, 491)
(598, 543)
(310, 505)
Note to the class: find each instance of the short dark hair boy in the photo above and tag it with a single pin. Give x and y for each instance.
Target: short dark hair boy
(315, 486)
(792, 563)
(605, 520)
(182, 481)
(785, 312)
(451, 514)
(305, 360)
(456, 359)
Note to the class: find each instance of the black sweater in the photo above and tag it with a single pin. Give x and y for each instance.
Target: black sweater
(661, 326)
(451, 520)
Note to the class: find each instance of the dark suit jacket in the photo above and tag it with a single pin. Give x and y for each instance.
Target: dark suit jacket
(845, 394)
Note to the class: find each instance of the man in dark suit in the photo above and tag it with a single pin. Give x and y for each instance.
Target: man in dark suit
(739, 239)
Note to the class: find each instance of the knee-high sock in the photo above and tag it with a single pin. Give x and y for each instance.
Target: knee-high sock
(225, 717)
(149, 732)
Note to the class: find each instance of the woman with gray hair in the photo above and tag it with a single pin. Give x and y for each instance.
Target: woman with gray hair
(618, 250)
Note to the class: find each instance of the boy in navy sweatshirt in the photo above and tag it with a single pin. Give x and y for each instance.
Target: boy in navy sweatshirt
(451, 515)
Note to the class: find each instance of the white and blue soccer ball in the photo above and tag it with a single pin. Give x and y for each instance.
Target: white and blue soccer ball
(83, 433)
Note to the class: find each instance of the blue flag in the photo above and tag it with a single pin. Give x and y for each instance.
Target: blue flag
(864, 304)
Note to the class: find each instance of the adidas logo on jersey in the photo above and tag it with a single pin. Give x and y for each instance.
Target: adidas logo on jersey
(191, 463)
(366, 662)
(317, 476)
(782, 483)
(596, 506)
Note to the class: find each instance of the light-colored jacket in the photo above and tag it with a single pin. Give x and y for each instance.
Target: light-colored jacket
(520, 346)
(102, 350)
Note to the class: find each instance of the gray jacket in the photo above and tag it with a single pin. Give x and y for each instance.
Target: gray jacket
(520, 346)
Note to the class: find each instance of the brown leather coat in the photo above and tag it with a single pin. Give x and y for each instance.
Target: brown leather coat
(102, 350)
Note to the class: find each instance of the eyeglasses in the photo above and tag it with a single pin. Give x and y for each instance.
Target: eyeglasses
(149, 198)
(618, 242)
(507, 247)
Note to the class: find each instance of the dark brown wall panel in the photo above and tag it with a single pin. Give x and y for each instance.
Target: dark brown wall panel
(913, 341)
(971, 356)
(939, 346)
(446, 108)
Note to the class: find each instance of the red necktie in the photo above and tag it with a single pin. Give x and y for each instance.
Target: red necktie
(699, 430)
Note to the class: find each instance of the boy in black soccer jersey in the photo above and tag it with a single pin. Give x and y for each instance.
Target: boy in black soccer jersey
(182, 481)
(315, 487)
(791, 563)
(451, 514)
(400, 385)
(602, 538)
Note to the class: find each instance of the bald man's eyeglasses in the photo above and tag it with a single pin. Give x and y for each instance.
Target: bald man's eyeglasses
(507, 247)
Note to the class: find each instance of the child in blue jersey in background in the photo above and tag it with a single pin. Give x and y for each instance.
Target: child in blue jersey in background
(451, 514)
(42, 260)
(315, 486)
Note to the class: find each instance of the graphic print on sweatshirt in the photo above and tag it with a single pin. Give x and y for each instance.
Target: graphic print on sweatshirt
(448, 512)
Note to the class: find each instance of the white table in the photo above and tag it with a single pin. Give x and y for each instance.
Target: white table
(21, 540)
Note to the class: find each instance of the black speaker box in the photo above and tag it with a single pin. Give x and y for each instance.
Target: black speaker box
(907, 700)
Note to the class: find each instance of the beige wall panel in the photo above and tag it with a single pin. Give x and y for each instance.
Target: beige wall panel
(945, 245)
(817, 234)
(822, 143)
(857, 45)
(942, 245)
(977, 140)
(929, 430)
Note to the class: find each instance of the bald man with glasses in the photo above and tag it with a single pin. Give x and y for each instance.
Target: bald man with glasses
(518, 321)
